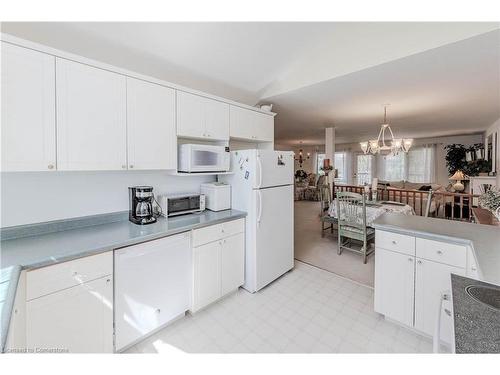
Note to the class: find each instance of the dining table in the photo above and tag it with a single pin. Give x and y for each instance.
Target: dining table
(374, 209)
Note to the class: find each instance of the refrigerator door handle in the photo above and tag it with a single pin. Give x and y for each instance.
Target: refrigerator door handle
(259, 166)
(259, 216)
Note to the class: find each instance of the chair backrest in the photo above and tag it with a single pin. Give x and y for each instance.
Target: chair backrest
(428, 204)
(324, 197)
(351, 209)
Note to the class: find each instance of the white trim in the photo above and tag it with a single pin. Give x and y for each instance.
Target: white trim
(97, 64)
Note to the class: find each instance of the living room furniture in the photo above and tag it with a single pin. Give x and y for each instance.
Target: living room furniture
(351, 209)
(309, 189)
(477, 185)
(484, 216)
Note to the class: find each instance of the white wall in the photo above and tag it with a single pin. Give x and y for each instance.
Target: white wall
(441, 170)
(495, 128)
(40, 196)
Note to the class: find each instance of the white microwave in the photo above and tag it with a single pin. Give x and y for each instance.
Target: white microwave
(194, 158)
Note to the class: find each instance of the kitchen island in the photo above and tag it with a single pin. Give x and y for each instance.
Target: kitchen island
(415, 261)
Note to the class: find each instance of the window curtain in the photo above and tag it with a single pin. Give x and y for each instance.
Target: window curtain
(421, 164)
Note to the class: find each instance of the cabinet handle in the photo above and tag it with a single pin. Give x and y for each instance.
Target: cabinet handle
(131, 166)
(124, 166)
(108, 280)
(448, 312)
(50, 166)
(158, 311)
(75, 273)
(394, 242)
(473, 268)
(419, 261)
(222, 230)
(439, 252)
(410, 259)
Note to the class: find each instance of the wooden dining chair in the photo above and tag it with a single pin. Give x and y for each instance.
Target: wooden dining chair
(351, 214)
(325, 201)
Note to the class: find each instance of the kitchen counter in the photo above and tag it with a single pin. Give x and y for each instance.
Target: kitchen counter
(65, 240)
(477, 326)
(483, 239)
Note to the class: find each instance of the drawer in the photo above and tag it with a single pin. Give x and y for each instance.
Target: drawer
(218, 231)
(399, 243)
(442, 252)
(54, 278)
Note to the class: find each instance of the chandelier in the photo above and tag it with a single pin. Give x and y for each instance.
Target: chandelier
(300, 159)
(377, 146)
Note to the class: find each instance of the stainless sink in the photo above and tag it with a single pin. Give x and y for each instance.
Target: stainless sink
(486, 295)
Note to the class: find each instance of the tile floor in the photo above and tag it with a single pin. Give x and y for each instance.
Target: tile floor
(308, 310)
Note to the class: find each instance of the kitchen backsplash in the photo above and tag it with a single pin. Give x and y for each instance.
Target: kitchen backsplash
(35, 197)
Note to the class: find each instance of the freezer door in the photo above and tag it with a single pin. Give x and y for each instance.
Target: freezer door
(273, 168)
(274, 233)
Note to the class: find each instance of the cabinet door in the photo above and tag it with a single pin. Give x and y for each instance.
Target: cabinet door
(241, 123)
(264, 127)
(78, 319)
(394, 288)
(153, 286)
(151, 134)
(91, 118)
(190, 115)
(207, 274)
(232, 263)
(216, 120)
(431, 279)
(28, 110)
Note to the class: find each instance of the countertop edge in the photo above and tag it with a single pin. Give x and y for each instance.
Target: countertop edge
(8, 306)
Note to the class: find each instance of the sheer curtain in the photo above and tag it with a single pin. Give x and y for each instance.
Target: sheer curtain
(421, 164)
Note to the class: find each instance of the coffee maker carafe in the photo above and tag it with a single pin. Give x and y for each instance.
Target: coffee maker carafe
(141, 205)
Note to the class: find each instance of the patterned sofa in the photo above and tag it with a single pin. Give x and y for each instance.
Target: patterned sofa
(308, 189)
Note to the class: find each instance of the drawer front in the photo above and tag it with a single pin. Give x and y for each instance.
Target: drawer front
(218, 231)
(54, 278)
(399, 243)
(442, 252)
(230, 228)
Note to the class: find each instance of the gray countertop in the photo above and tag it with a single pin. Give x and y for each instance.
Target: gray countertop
(483, 239)
(44, 249)
(477, 326)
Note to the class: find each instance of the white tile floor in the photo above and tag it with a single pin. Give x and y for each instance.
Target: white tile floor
(308, 310)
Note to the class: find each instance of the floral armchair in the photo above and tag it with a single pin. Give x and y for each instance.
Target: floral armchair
(308, 188)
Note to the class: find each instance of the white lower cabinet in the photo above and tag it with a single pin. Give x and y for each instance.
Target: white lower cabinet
(207, 274)
(408, 286)
(152, 286)
(218, 266)
(432, 279)
(79, 318)
(394, 280)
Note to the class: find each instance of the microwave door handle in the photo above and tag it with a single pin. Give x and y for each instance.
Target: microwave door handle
(259, 166)
(259, 216)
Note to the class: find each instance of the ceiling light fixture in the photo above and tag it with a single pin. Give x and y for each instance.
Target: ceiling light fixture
(300, 159)
(377, 146)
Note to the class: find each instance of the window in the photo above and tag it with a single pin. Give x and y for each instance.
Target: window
(319, 163)
(340, 165)
(421, 164)
(394, 167)
(364, 169)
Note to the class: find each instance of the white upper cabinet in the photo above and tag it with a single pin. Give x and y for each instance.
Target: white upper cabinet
(151, 134)
(91, 118)
(200, 117)
(28, 110)
(251, 125)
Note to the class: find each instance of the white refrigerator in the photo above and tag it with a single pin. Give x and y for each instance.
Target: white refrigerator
(262, 185)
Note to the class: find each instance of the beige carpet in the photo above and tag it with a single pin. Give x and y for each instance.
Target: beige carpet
(311, 248)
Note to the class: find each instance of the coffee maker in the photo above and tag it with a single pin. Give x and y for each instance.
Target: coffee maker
(141, 200)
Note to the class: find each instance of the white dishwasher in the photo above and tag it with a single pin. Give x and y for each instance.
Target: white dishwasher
(152, 286)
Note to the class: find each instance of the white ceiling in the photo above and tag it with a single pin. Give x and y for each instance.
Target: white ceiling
(454, 89)
(306, 69)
